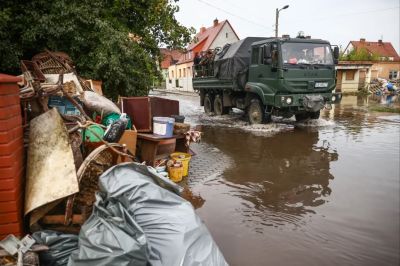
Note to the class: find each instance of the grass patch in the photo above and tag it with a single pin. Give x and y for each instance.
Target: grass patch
(356, 93)
(384, 109)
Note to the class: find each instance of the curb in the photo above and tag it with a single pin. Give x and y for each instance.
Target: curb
(185, 93)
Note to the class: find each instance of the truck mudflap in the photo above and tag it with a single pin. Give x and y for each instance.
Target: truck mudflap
(313, 103)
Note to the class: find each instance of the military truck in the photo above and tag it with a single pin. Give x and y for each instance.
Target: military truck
(269, 76)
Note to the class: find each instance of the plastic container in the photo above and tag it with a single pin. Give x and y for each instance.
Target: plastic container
(111, 118)
(175, 173)
(184, 158)
(178, 118)
(89, 136)
(63, 105)
(163, 126)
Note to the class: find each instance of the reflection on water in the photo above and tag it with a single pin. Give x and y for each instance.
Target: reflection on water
(287, 173)
(290, 199)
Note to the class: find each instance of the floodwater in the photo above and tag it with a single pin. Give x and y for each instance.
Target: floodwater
(322, 192)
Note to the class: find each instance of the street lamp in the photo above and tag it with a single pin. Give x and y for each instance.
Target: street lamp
(277, 18)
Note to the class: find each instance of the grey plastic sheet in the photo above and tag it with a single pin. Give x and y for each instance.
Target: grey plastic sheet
(60, 247)
(138, 219)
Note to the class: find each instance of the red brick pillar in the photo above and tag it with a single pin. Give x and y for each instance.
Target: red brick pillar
(11, 158)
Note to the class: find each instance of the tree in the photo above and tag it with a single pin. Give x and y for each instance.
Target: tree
(116, 41)
(361, 54)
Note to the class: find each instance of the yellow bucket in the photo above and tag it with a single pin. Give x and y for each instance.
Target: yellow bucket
(184, 158)
(175, 173)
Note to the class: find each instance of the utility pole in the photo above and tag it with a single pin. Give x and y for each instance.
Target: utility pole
(277, 19)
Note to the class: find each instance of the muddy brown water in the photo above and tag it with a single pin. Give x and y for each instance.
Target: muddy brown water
(318, 194)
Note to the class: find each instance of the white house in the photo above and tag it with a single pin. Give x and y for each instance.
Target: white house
(180, 74)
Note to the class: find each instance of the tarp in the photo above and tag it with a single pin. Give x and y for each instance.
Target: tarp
(234, 59)
(137, 222)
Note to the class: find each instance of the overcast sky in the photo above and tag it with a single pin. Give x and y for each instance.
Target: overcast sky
(337, 21)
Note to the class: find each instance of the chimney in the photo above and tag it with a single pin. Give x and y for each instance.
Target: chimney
(362, 39)
(380, 42)
(215, 22)
(202, 29)
(285, 36)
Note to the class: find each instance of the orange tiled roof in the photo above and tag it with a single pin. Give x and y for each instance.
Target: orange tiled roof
(204, 40)
(383, 49)
(207, 37)
(169, 57)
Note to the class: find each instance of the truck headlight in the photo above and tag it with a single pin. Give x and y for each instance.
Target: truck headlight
(289, 100)
(333, 98)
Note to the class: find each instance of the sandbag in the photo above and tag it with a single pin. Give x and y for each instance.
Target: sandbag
(173, 233)
(96, 102)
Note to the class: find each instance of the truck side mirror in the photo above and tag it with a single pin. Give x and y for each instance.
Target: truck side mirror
(267, 52)
(336, 53)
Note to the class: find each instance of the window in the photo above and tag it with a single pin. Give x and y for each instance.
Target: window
(184, 72)
(180, 73)
(393, 74)
(350, 74)
(294, 53)
(188, 71)
(226, 35)
(172, 74)
(255, 55)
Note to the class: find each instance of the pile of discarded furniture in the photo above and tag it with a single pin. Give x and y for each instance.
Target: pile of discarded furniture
(381, 86)
(65, 150)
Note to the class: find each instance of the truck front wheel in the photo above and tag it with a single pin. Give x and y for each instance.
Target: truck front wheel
(219, 108)
(208, 105)
(314, 115)
(255, 112)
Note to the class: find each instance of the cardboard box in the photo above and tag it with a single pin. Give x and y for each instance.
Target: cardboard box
(129, 138)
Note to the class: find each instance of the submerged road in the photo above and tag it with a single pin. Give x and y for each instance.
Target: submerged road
(322, 192)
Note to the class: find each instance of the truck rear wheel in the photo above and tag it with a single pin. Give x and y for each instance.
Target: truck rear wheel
(219, 108)
(255, 112)
(208, 106)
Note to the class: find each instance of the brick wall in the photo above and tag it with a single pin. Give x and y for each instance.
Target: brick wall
(11, 158)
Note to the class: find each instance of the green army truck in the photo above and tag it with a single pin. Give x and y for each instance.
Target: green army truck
(269, 76)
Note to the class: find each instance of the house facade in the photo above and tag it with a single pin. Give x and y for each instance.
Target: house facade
(168, 57)
(353, 76)
(386, 61)
(381, 61)
(180, 74)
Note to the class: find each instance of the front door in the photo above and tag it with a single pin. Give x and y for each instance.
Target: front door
(339, 78)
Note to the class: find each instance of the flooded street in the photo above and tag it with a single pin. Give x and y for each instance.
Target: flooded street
(322, 192)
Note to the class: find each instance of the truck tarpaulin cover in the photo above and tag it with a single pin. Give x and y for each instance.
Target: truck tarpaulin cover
(137, 222)
(235, 60)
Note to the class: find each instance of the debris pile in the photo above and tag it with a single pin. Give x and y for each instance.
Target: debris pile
(382, 86)
(81, 149)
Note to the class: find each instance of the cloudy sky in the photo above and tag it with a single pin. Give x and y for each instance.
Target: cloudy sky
(337, 21)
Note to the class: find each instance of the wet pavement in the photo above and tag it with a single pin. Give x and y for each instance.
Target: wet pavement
(322, 192)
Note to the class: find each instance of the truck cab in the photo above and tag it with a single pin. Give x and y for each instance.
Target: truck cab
(293, 76)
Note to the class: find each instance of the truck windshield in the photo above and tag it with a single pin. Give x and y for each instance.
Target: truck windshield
(306, 53)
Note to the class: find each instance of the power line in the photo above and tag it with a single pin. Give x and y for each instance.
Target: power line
(232, 14)
(355, 13)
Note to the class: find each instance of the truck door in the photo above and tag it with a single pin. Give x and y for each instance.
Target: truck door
(268, 69)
